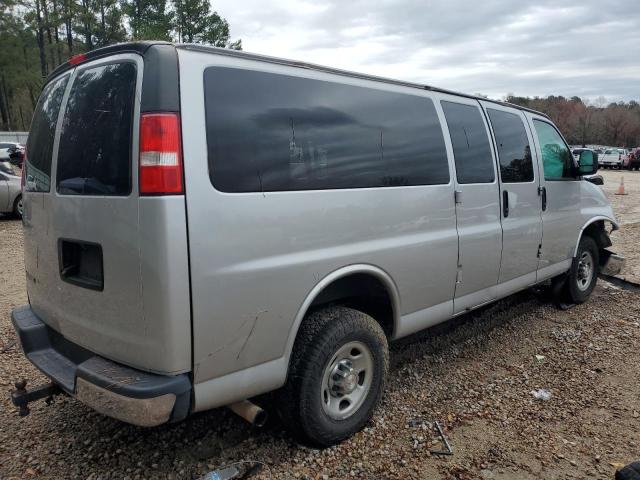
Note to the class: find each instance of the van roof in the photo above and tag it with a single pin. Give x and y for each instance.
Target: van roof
(142, 46)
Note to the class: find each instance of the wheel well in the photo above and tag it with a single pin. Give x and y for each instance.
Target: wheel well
(363, 292)
(598, 232)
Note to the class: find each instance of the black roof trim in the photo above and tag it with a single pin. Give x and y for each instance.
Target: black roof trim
(141, 47)
(127, 47)
(337, 71)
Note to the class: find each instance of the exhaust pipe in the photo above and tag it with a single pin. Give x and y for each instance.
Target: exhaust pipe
(251, 412)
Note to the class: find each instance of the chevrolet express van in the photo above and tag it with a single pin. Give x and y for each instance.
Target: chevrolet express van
(203, 226)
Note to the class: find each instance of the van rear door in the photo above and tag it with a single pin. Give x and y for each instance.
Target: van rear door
(104, 268)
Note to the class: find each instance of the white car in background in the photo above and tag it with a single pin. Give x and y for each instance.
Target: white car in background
(612, 158)
(7, 148)
(10, 193)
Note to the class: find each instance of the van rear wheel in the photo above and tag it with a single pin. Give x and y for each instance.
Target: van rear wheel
(583, 275)
(336, 376)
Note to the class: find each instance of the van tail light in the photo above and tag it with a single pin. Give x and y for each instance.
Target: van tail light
(76, 59)
(160, 154)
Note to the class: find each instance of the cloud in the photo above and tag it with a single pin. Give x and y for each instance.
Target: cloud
(561, 47)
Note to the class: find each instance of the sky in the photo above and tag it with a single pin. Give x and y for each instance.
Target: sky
(493, 47)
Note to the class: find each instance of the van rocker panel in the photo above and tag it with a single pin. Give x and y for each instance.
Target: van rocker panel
(142, 396)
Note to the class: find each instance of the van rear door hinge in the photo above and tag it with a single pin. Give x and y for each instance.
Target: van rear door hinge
(539, 254)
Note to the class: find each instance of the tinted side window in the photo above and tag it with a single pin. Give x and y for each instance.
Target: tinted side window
(556, 157)
(41, 134)
(514, 151)
(269, 132)
(95, 144)
(471, 149)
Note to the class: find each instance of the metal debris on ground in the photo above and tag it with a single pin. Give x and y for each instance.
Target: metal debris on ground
(232, 472)
(539, 358)
(541, 394)
(449, 450)
(222, 474)
(8, 346)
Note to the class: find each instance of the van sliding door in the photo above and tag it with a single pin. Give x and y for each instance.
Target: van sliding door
(519, 196)
(477, 203)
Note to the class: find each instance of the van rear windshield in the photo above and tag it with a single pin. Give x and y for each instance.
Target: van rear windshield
(94, 157)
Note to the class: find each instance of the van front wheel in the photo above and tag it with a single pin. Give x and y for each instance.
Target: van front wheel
(336, 376)
(584, 271)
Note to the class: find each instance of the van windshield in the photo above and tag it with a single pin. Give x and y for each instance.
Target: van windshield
(94, 157)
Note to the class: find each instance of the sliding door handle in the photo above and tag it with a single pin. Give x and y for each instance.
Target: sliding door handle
(505, 203)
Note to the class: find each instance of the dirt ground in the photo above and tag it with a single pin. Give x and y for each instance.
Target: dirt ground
(627, 207)
(474, 375)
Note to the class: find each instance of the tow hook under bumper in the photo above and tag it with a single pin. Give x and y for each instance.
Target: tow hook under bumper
(21, 397)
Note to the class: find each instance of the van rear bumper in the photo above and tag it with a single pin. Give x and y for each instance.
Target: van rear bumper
(121, 392)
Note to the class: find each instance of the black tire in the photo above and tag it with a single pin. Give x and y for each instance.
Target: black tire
(575, 289)
(17, 207)
(301, 402)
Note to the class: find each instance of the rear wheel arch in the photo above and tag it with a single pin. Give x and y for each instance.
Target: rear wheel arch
(351, 286)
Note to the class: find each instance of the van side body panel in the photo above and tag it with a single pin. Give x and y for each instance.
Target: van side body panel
(280, 245)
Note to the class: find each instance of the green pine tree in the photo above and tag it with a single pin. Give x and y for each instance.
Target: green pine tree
(196, 23)
(148, 19)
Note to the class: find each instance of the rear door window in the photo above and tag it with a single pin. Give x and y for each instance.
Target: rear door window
(41, 135)
(94, 157)
(471, 149)
(514, 151)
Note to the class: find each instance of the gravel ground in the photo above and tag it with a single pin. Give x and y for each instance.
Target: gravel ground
(475, 375)
(627, 207)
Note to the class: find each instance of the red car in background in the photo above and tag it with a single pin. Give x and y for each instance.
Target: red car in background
(632, 161)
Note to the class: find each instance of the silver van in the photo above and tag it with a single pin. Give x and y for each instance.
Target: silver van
(203, 226)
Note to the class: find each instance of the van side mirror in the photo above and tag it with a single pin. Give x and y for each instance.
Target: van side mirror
(596, 180)
(588, 162)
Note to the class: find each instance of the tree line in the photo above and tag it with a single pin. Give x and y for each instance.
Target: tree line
(38, 35)
(589, 122)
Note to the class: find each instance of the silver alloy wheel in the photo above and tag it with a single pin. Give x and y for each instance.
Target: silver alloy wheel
(585, 272)
(346, 380)
(19, 207)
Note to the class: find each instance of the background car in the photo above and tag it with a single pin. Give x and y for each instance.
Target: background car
(10, 193)
(633, 159)
(6, 167)
(6, 148)
(612, 158)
